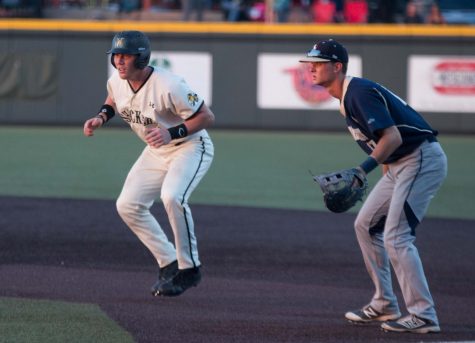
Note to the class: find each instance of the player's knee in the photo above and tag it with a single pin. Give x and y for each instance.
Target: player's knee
(395, 245)
(121, 206)
(392, 249)
(361, 226)
(124, 207)
(171, 200)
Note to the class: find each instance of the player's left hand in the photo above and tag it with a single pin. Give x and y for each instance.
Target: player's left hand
(156, 137)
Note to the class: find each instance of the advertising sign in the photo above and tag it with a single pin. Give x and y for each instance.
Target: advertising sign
(442, 83)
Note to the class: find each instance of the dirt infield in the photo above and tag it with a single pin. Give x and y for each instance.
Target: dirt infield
(268, 275)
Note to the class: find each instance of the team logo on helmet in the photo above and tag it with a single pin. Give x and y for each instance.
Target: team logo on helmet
(120, 42)
(192, 99)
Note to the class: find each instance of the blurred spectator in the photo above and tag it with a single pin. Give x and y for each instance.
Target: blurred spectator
(305, 5)
(257, 12)
(435, 17)
(324, 11)
(235, 10)
(282, 10)
(355, 11)
(128, 6)
(423, 7)
(21, 8)
(383, 11)
(36, 7)
(412, 14)
(339, 17)
(10, 5)
(190, 6)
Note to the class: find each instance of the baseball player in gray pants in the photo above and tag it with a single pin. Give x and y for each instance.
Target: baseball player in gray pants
(414, 167)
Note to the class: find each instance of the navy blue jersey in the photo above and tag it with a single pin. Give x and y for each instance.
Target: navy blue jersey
(370, 108)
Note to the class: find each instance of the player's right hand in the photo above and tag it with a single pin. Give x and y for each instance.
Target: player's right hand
(156, 137)
(90, 125)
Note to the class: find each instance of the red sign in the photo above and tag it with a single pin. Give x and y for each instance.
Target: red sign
(454, 77)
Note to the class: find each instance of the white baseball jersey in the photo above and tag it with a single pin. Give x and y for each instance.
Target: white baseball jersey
(164, 99)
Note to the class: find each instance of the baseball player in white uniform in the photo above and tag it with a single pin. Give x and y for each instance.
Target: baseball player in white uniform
(171, 119)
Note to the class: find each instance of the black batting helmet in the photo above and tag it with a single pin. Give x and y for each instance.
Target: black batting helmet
(131, 43)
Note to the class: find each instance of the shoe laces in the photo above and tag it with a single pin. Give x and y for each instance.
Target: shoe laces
(412, 321)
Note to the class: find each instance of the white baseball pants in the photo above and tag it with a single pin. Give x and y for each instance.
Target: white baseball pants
(172, 172)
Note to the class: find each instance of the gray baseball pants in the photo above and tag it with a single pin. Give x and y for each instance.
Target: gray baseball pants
(385, 229)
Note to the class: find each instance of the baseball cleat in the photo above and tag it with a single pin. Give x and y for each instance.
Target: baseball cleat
(183, 279)
(165, 274)
(368, 314)
(411, 323)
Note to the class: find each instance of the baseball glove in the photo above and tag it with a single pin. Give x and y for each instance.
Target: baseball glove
(342, 189)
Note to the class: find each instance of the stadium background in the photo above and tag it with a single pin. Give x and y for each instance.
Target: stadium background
(54, 76)
(45, 64)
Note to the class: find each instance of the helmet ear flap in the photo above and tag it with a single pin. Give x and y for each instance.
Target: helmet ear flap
(142, 60)
(112, 61)
(137, 62)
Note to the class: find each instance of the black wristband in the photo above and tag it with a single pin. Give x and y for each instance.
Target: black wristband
(179, 131)
(108, 110)
(369, 164)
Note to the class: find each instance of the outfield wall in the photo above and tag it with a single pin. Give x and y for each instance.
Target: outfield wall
(55, 72)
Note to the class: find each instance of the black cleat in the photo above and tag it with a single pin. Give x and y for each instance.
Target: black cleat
(165, 274)
(183, 279)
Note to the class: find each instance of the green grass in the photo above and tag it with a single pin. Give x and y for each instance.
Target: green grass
(32, 321)
(251, 168)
